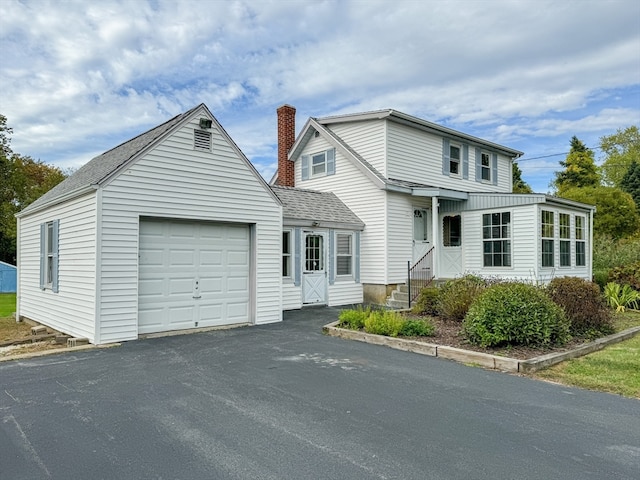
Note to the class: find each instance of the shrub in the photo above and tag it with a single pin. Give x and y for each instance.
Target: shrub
(417, 328)
(456, 296)
(609, 253)
(384, 322)
(583, 305)
(621, 297)
(354, 319)
(427, 302)
(626, 275)
(515, 314)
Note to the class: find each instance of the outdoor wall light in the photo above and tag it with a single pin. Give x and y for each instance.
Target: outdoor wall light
(205, 123)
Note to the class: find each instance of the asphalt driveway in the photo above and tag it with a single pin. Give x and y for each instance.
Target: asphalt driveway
(284, 401)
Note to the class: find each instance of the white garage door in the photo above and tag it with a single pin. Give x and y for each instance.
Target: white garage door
(192, 274)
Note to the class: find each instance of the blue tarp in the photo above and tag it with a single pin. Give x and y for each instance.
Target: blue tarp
(8, 277)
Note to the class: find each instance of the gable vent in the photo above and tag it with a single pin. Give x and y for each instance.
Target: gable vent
(202, 140)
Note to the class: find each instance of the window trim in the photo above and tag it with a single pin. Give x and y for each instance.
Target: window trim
(457, 161)
(287, 255)
(49, 255)
(488, 167)
(546, 239)
(582, 241)
(350, 255)
(505, 241)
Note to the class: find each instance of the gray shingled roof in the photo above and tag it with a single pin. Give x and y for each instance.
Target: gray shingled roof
(312, 206)
(103, 165)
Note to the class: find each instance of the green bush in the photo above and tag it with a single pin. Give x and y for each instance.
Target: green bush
(626, 275)
(427, 302)
(456, 296)
(417, 328)
(384, 322)
(354, 319)
(609, 253)
(515, 314)
(583, 305)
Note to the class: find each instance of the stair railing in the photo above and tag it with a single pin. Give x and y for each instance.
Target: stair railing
(419, 275)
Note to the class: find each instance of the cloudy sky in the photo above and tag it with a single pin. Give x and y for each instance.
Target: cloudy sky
(78, 78)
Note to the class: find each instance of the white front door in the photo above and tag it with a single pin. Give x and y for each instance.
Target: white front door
(451, 251)
(314, 274)
(421, 233)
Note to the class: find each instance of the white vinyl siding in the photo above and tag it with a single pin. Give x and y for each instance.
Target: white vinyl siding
(416, 156)
(365, 199)
(71, 310)
(175, 181)
(367, 139)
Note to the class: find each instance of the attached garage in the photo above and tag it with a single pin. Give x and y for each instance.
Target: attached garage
(192, 274)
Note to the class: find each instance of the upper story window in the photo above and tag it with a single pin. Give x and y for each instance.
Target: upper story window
(486, 167)
(454, 159)
(318, 164)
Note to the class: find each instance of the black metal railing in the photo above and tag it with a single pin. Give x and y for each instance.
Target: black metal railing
(419, 275)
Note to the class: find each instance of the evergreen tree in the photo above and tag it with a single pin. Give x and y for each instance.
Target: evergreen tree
(631, 182)
(579, 168)
(518, 184)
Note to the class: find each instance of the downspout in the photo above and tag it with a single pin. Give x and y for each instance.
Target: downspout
(97, 324)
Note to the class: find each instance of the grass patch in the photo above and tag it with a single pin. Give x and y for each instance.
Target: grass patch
(615, 369)
(9, 328)
(628, 319)
(7, 304)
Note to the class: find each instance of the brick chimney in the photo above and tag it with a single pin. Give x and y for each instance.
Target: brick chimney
(286, 139)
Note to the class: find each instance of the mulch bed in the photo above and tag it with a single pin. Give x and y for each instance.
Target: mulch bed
(450, 334)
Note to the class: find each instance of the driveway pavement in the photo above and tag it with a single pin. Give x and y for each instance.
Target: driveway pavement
(284, 401)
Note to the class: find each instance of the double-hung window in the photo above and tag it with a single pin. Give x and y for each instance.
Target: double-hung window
(344, 254)
(548, 232)
(454, 159)
(496, 239)
(286, 253)
(565, 240)
(319, 164)
(486, 167)
(581, 254)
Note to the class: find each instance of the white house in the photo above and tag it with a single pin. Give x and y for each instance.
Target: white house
(433, 199)
(173, 229)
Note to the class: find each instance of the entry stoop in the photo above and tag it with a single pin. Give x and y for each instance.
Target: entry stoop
(399, 298)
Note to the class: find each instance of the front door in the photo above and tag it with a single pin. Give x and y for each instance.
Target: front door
(314, 274)
(421, 233)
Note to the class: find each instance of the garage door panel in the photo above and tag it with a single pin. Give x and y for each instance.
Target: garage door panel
(211, 257)
(238, 284)
(173, 256)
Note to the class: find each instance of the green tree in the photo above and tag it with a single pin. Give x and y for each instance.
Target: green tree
(24, 180)
(631, 182)
(579, 169)
(616, 213)
(620, 150)
(518, 184)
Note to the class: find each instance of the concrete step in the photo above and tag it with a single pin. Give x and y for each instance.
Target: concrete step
(400, 296)
(397, 304)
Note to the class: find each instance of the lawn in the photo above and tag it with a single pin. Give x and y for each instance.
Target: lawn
(9, 328)
(615, 369)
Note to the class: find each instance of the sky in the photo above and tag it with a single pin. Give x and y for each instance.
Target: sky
(78, 78)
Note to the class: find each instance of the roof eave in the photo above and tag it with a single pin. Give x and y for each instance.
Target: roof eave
(57, 200)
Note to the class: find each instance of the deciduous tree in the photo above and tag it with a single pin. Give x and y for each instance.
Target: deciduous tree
(620, 150)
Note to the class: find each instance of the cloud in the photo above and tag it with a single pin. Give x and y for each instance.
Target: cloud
(77, 78)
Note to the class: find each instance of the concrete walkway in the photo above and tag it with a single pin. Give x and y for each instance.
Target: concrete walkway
(284, 401)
